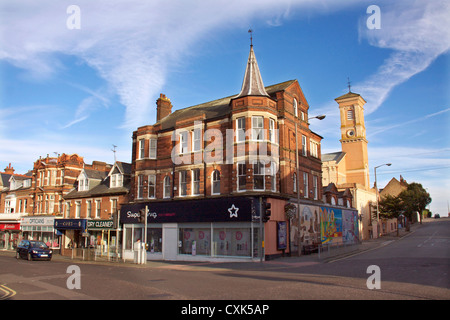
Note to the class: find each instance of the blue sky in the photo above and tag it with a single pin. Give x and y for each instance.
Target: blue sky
(82, 90)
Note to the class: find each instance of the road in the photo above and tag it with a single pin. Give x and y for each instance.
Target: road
(414, 267)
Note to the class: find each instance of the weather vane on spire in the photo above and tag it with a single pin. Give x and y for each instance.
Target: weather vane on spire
(348, 84)
(251, 36)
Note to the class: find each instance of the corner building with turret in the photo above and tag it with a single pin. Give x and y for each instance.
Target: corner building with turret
(226, 179)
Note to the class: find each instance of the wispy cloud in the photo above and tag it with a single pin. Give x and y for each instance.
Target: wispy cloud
(131, 44)
(417, 32)
(380, 129)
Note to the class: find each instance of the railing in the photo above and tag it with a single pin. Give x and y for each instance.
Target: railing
(97, 254)
(329, 250)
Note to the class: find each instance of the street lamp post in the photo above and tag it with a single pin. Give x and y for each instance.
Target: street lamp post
(297, 164)
(376, 189)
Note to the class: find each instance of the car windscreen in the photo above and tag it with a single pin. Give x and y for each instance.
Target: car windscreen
(37, 244)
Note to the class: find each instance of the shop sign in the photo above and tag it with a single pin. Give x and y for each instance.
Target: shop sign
(232, 209)
(9, 226)
(100, 224)
(73, 224)
(38, 221)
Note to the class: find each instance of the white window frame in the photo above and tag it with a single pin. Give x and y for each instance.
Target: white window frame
(304, 146)
(151, 185)
(116, 180)
(77, 209)
(114, 202)
(273, 176)
(98, 208)
(305, 185)
(197, 139)
(295, 108)
(140, 187)
(141, 154)
(184, 142)
(313, 148)
(241, 172)
(240, 129)
(166, 187)
(258, 128)
(316, 187)
(259, 169)
(153, 147)
(182, 183)
(215, 183)
(272, 131)
(88, 208)
(195, 183)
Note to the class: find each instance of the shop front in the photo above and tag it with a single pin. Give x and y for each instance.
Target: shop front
(9, 235)
(73, 234)
(40, 229)
(199, 230)
(103, 238)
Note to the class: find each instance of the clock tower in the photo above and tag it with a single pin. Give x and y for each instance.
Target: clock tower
(353, 138)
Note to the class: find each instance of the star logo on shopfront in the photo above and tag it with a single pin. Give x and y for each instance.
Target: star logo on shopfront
(233, 211)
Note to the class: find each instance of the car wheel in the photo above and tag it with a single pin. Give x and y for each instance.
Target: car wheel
(30, 258)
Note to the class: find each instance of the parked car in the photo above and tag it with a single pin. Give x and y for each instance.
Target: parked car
(32, 250)
(437, 216)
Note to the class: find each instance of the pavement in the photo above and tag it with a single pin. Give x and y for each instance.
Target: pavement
(294, 260)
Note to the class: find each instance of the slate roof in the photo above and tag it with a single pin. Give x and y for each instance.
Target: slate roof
(252, 84)
(349, 95)
(213, 109)
(333, 156)
(102, 189)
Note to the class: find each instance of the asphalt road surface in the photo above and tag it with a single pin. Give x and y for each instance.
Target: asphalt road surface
(414, 267)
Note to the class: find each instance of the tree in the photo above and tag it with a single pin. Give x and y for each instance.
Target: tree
(391, 207)
(415, 198)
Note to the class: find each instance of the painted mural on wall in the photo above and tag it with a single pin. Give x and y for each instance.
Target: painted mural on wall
(330, 225)
(337, 225)
(350, 230)
(309, 225)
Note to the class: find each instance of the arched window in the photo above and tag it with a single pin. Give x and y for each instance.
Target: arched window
(295, 108)
(215, 182)
(166, 187)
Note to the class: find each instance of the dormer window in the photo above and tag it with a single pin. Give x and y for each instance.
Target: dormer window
(83, 183)
(116, 180)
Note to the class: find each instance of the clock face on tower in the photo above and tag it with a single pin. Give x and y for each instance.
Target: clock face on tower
(350, 133)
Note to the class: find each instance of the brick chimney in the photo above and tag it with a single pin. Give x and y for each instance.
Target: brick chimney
(163, 107)
(9, 169)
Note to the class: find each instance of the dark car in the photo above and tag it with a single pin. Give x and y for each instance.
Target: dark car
(33, 250)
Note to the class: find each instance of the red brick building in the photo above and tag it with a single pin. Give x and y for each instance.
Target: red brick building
(15, 202)
(96, 200)
(206, 174)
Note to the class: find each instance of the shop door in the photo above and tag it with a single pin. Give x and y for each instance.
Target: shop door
(170, 241)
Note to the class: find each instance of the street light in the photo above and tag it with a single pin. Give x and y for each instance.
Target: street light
(319, 117)
(376, 188)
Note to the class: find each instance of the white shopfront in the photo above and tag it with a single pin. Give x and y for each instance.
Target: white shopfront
(40, 228)
(175, 231)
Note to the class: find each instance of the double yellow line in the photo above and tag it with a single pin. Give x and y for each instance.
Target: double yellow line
(8, 292)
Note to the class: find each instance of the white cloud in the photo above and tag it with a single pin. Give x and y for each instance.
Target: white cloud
(129, 43)
(417, 32)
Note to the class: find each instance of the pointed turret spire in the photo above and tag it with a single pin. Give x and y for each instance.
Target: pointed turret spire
(253, 84)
